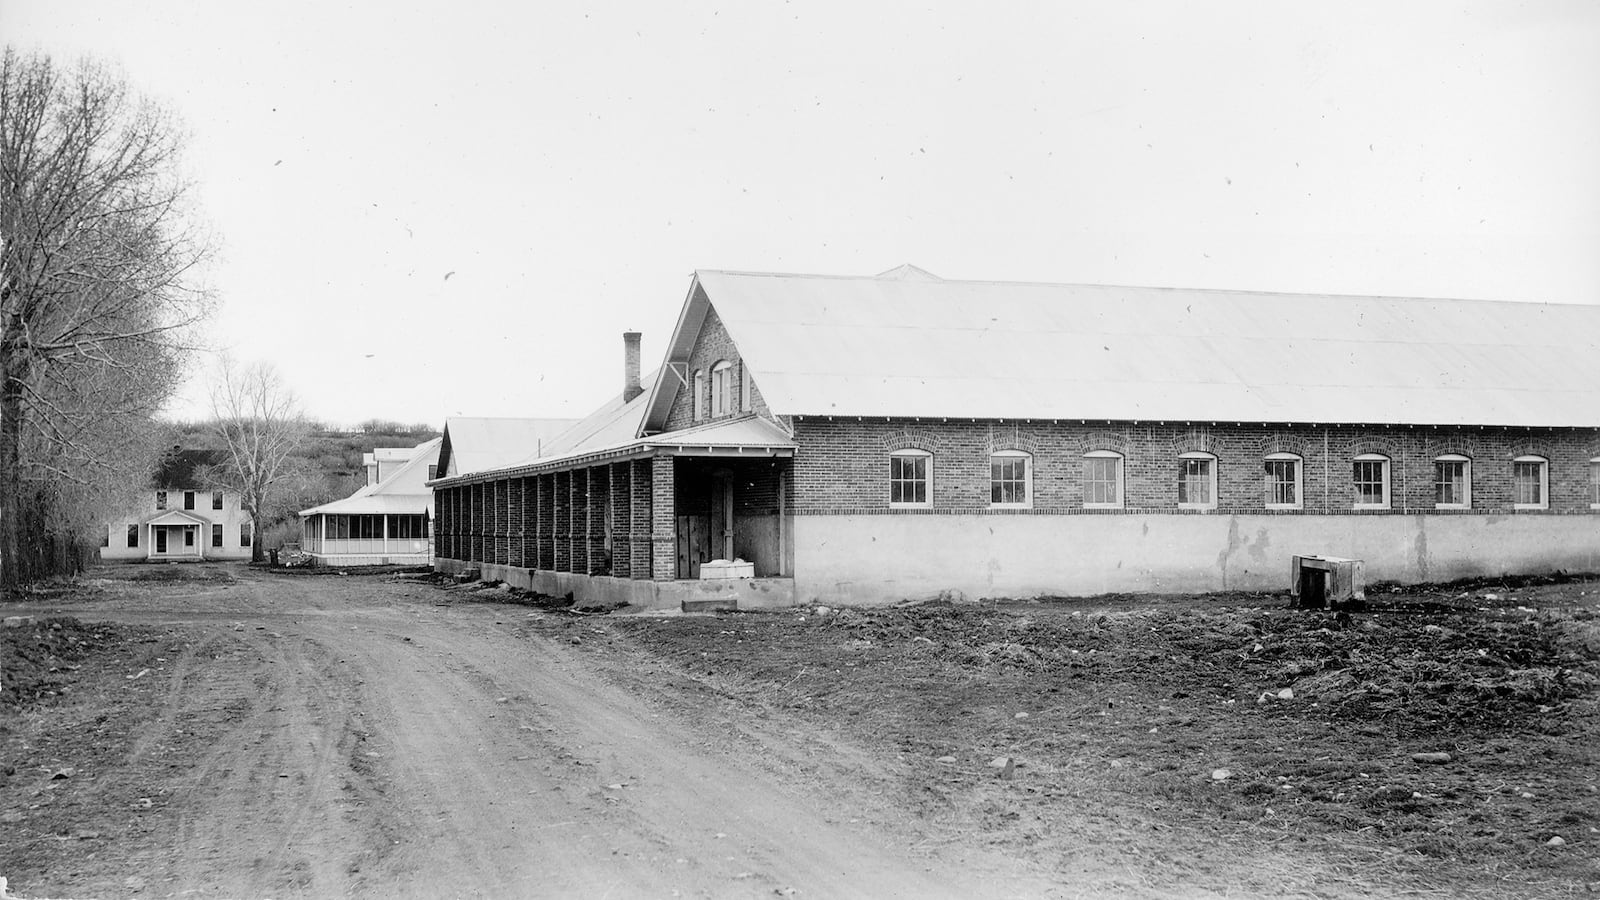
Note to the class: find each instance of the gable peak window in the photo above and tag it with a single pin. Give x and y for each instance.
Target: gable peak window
(1370, 479)
(1011, 479)
(1197, 480)
(1452, 482)
(1283, 474)
(699, 394)
(910, 478)
(1102, 479)
(1530, 482)
(721, 388)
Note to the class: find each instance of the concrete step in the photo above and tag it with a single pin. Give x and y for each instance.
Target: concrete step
(691, 606)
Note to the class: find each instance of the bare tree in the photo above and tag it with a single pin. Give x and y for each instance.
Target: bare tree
(97, 287)
(260, 425)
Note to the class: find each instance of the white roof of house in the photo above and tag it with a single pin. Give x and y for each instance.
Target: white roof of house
(479, 444)
(909, 344)
(403, 492)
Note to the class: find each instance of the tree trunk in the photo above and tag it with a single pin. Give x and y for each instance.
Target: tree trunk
(11, 381)
(257, 554)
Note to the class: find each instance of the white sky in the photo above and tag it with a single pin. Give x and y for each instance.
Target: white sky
(573, 163)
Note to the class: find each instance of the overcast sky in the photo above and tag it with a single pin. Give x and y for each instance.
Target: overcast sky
(437, 209)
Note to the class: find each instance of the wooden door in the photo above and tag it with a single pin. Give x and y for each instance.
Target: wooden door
(161, 538)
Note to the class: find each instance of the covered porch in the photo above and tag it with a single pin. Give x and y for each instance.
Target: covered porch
(635, 524)
(175, 536)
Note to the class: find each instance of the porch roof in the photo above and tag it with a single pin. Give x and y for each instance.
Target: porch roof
(176, 517)
(751, 436)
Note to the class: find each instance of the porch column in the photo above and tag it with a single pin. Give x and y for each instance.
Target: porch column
(663, 519)
(621, 519)
(546, 527)
(475, 497)
(502, 548)
(519, 522)
(639, 523)
(599, 504)
(513, 521)
(578, 528)
(562, 535)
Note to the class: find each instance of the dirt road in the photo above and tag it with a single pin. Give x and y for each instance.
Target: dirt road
(363, 738)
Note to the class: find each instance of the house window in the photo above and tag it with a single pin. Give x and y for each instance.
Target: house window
(188, 499)
(1102, 479)
(1283, 480)
(1594, 483)
(105, 539)
(1011, 479)
(699, 395)
(745, 402)
(722, 388)
(1452, 482)
(216, 534)
(433, 471)
(1530, 487)
(188, 537)
(244, 534)
(161, 499)
(216, 499)
(911, 478)
(1197, 481)
(1371, 481)
(133, 535)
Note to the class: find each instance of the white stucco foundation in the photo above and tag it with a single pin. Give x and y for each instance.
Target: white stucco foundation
(885, 558)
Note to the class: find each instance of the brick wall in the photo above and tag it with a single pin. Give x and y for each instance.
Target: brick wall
(711, 346)
(842, 466)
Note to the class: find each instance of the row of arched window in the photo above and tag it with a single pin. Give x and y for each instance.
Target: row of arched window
(718, 401)
(911, 480)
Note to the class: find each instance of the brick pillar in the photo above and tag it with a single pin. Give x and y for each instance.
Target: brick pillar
(491, 522)
(578, 526)
(639, 518)
(545, 528)
(621, 520)
(663, 521)
(562, 535)
(480, 525)
(599, 506)
(514, 521)
(441, 518)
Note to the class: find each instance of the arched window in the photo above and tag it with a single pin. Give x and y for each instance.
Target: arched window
(1370, 479)
(721, 388)
(1011, 479)
(1102, 479)
(1530, 482)
(910, 478)
(1452, 482)
(1197, 481)
(1284, 472)
(1594, 483)
(699, 394)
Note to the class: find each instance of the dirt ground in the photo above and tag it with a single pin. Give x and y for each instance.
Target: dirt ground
(227, 732)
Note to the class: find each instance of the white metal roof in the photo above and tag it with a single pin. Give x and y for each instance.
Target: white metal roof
(478, 444)
(405, 491)
(920, 346)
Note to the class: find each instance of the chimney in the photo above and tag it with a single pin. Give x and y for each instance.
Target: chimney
(630, 366)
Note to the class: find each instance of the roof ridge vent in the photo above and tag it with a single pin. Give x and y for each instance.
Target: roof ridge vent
(908, 272)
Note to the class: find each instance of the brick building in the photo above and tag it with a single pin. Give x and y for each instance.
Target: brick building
(870, 439)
